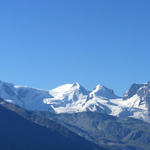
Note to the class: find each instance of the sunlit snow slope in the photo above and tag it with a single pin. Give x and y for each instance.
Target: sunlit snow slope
(70, 98)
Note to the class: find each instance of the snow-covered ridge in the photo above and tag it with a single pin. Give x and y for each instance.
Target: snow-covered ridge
(70, 98)
(102, 91)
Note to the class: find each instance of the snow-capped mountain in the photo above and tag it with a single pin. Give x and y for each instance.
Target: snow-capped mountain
(26, 97)
(70, 98)
(67, 98)
(102, 91)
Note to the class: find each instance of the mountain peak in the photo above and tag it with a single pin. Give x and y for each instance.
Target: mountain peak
(76, 84)
(67, 88)
(148, 83)
(136, 89)
(102, 91)
(99, 86)
(75, 98)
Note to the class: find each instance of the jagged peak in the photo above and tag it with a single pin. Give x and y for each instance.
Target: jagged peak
(101, 87)
(134, 88)
(103, 91)
(76, 84)
(68, 88)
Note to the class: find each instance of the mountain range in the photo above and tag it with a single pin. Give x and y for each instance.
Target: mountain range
(73, 98)
(33, 130)
(95, 120)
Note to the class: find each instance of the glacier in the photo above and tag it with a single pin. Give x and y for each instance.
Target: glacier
(73, 98)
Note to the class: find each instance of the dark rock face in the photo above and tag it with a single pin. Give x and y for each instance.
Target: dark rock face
(145, 98)
(143, 91)
(132, 91)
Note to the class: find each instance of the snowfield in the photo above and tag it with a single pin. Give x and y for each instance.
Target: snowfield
(71, 98)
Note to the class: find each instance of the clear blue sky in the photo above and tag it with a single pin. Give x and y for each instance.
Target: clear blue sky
(45, 43)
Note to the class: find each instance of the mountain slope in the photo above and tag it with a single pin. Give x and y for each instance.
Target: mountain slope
(106, 130)
(26, 97)
(18, 133)
(72, 98)
(110, 132)
(66, 98)
(102, 91)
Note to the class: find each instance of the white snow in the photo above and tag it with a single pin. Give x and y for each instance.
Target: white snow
(70, 98)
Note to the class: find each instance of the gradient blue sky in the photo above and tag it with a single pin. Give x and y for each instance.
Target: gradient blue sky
(46, 43)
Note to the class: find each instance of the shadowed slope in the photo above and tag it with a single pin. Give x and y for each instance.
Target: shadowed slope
(17, 133)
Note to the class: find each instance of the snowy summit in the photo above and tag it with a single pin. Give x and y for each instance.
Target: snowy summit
(71, 98)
